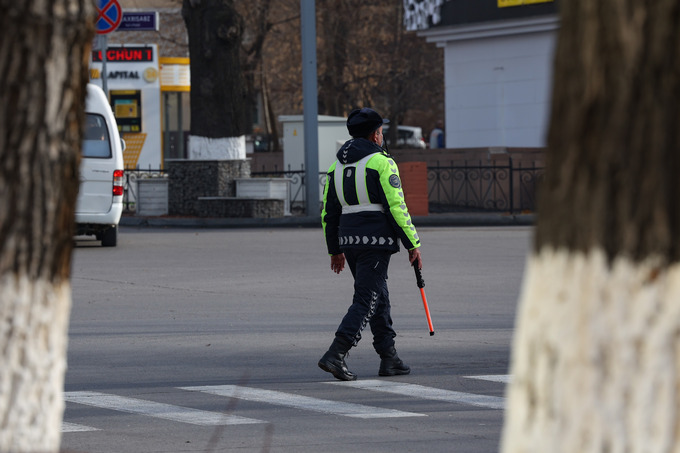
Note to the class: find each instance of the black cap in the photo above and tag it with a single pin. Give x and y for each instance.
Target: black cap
(362, 122)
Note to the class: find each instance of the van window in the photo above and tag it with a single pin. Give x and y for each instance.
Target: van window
(96, 141)
(404, 135)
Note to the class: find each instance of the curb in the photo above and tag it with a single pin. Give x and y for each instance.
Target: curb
(434, 220)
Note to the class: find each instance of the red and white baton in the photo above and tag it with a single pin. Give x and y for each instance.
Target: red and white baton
(421, 285)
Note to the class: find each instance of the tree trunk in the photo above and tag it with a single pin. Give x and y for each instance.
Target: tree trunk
(596, 356)
(43, 73)
(218, 102)
(258, 27)
(334, 30)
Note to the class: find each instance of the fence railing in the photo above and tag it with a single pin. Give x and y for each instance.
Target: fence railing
(476, 187)
(454, 188)
(462, 187)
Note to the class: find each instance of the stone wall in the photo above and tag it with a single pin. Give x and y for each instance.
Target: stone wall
(239, 207)
(190, 180)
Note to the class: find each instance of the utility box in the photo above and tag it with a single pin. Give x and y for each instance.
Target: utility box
(152, 197)
(332, 134)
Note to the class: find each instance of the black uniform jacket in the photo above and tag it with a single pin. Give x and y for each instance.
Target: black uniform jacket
(382, 220)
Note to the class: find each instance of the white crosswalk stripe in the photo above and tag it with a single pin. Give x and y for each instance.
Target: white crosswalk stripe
(302, 402)
(502, 378)
(206, 418)
(75, 428)
(429, 393)
(158, 410)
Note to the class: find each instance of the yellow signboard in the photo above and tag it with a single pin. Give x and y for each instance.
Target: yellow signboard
(175, 74)
(504, 3)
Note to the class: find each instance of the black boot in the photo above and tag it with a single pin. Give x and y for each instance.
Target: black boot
(391, 364)
(333, 361)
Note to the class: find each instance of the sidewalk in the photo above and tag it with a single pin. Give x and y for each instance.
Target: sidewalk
(443, 220)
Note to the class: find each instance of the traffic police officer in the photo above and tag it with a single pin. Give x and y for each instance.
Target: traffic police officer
(364, 218)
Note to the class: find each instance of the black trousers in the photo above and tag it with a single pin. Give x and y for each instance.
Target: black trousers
(371, 301)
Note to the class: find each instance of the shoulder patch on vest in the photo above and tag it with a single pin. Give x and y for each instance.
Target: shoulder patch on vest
(395, 182)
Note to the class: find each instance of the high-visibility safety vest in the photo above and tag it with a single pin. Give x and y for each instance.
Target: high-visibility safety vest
(354, 172)
(364, 206)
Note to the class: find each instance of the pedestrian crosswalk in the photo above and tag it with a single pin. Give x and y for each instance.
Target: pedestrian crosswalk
(158, 410)
(302, 402)
(428, 393)
(278, 398)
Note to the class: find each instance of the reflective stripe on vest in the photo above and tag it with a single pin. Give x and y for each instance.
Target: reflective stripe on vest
(353, 209)
(360, 187)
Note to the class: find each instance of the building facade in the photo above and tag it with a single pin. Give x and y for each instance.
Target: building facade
(146, 76)
(498, 58)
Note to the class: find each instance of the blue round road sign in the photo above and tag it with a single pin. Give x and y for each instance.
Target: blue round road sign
(110, 15)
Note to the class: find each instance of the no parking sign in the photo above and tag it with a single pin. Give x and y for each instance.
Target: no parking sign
(109, 17)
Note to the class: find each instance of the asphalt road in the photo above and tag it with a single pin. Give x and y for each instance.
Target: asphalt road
(206, 340)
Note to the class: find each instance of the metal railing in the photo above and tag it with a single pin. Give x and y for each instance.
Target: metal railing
(466, 187)
(484, 188)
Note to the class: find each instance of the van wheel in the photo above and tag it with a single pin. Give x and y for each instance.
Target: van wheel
(109, 237)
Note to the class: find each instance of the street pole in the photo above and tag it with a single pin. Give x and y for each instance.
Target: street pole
(104, 44)
(310, 107)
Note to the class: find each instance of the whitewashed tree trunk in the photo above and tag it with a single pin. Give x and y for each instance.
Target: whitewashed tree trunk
(218, 93)
(227, 148)
(43, 72)
(596, 357)
(33, 335)
(596, 354)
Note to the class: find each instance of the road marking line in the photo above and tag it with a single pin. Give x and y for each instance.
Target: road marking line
(301, 402)
(503, 378)
(75, 428)
(419, 391)
(158, 410)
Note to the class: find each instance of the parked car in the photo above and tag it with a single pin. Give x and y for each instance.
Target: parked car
(100, 199)
(408, 137)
